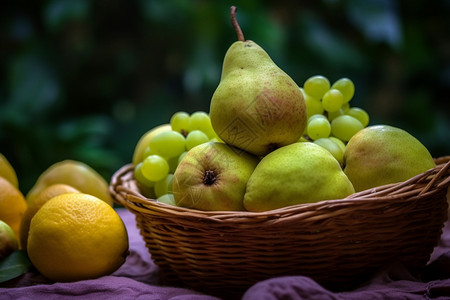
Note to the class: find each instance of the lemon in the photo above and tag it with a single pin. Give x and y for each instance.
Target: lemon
(76, 174)
(8, 240)
(7, 171)
(76, 236)
(12, 205)
(36, 203)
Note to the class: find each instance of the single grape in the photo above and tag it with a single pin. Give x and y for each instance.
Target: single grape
(181, 156)
(345, 107)
(173, 163)
(164, 186)
(199, 120)
(346, 87)
(168, 144)
(180, 122)
(313, 105)
(338, 142)
(154, 168)
(332, 147)
(140, 177)
(344, 127)
(316, 116)
(147, 152)
(209, 131)
(332, 100)
(212, 135)
(318, 128)
(195, 138)
(167, 199)
(334, 114)
(316, 86)
(359, 114)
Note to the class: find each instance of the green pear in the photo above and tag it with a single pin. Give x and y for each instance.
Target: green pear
(213, 176)
(302, 172)
(382, 154)
(8, 240)
(256, 107)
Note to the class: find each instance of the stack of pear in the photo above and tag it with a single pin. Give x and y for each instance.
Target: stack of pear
(256, 107)
(259, 112)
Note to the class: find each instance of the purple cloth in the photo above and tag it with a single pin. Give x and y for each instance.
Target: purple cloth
(137, 278)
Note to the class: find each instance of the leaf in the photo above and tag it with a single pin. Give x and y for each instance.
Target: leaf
(14, 265)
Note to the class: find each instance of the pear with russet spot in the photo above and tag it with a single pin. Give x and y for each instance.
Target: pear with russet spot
(256, 107)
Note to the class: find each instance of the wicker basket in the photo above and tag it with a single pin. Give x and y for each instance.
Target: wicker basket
(339, 243)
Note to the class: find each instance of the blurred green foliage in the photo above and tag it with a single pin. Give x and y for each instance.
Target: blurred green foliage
(85, 79)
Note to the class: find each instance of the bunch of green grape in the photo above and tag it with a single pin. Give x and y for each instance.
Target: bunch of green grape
(166, 149)
(331, 119)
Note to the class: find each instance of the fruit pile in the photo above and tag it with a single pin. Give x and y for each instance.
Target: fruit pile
(265, 144)
(160, 150)
(65, 227)
(268, 143)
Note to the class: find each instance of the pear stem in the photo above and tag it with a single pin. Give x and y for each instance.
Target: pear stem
(235, 23)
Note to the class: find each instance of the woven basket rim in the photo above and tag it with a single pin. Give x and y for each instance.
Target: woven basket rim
(335, 242)
(429, 182)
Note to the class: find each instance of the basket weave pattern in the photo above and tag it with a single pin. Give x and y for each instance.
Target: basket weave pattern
(338, 243)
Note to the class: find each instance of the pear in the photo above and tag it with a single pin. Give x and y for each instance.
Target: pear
(8, 240)
(256, 106)
(213, 176)
(302, 172)
(383, 154)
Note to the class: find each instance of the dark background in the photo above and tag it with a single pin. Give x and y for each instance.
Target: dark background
(85, 79)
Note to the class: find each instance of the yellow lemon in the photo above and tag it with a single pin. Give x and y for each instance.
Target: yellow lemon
(7, 171)
(143, 142)
(76, 236)
(12, 205)
(36, 203)
(76, 174)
